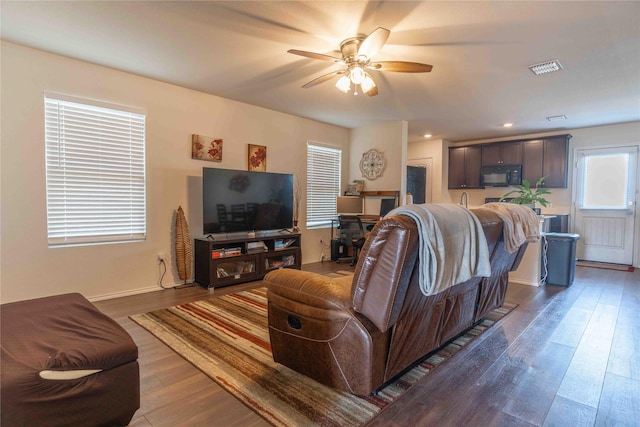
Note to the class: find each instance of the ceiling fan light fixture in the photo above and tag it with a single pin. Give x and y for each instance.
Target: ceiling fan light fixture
(357, 53)
(357, 75)
(343, 84)
(367, 84)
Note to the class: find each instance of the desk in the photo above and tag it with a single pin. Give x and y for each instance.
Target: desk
(369, 219)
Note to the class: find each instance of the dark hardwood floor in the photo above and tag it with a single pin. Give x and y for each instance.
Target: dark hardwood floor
(567, 356)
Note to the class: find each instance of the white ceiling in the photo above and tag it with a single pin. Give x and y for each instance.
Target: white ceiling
(479, 51)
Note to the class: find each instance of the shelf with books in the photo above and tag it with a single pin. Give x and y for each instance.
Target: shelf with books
(227, 261)
(282, 244)
(235, 268)
(282, 260)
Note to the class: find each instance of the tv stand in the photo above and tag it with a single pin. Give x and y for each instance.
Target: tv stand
(230, 260)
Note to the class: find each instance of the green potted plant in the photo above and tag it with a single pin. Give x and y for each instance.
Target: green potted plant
(529, 196)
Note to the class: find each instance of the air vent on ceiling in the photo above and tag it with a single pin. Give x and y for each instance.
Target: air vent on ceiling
(557, 118)
(545, 67)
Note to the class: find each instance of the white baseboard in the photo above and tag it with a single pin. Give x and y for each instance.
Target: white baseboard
(524, 282)
(135, 292)
(124, 293)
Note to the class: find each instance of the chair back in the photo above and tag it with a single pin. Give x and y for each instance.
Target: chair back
(350, 229)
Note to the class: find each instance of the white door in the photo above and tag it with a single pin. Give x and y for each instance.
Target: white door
(605, 204)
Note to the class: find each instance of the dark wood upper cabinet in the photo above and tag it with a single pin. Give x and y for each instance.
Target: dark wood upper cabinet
(555, 161)
(464, 167)
(532, 153)
(540, 157)
(546, 157)
(502, 153)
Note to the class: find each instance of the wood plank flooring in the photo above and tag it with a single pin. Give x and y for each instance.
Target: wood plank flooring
(567, 356)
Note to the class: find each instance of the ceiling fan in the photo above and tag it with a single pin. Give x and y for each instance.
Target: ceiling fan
(357, 54)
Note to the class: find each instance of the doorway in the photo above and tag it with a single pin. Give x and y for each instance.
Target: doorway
(419, 180)
(605, 205)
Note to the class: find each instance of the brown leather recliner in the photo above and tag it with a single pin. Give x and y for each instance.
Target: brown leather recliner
(357, 333)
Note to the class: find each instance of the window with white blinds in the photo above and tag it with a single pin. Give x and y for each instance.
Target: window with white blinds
(323, 184)
(95, 159)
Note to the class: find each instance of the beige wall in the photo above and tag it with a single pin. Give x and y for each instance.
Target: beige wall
(390, 138)
(29, 268)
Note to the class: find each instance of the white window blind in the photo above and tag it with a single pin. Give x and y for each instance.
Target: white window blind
(95, 159)
(323, 184)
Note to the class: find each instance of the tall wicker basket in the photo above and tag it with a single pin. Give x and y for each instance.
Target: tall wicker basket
(184, 247)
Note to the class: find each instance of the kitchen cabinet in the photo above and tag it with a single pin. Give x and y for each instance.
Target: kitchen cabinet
(532, 152)
(464, 167)
(546, 157)
(502, 153)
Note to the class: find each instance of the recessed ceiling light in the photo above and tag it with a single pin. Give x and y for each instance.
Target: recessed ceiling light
(507, 125)
(427, 135)
(557, 118)
(545, 67)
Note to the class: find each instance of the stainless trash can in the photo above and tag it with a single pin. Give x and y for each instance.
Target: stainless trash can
(559, 258)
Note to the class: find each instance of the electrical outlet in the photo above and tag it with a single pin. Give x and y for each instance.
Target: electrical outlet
(160, 256)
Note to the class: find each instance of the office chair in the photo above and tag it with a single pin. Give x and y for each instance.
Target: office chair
(351, 235)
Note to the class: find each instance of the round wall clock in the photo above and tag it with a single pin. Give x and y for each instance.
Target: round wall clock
(372, 164)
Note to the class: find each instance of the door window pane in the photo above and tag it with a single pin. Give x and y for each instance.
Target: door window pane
(606, 181)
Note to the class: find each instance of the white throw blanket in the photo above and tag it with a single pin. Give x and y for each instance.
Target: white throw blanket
(520, 224)
(453, 247)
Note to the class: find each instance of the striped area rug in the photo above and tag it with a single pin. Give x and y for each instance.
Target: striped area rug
(227, 338)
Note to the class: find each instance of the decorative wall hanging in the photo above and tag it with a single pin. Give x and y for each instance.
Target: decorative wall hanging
(206, 148)
(184, 248)
(372, 164)
(257, 158)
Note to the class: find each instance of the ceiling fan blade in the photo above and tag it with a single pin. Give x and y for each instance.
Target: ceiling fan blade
(373, 91)
(324, 78)
(401, 66)
(374, 41)
(314, 55)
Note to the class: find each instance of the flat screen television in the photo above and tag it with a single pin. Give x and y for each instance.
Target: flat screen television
(235, 201)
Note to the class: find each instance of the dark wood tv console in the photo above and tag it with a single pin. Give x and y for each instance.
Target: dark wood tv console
(223, 261)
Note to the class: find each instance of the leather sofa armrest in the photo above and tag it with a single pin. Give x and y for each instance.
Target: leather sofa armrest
(310, 289)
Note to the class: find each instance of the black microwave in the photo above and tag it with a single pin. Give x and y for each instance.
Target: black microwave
(500, 175)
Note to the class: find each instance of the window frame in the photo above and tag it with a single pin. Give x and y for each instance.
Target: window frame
(324, 183)
(95, 158)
